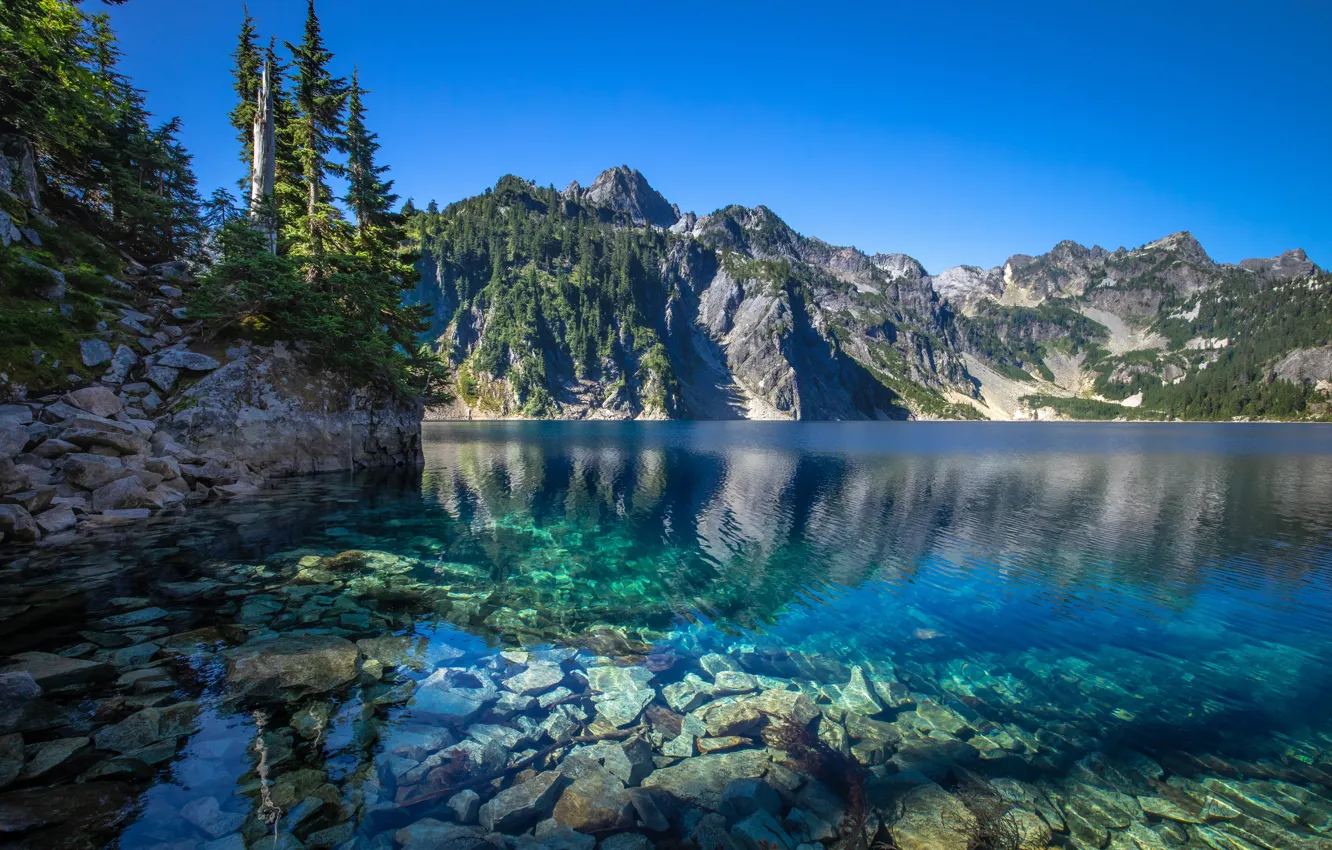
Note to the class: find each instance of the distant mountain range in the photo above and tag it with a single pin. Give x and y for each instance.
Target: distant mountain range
(607, 302)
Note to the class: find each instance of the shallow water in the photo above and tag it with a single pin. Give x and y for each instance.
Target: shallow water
(1095, 610)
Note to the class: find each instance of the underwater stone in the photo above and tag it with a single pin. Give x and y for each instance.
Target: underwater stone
(857, 697)
(538, 678)
(686, 695)
(762, 831)
(702, 780)
(596, 802)
(11, 758)
(303, 663)
(1163, 808)
(931, 820)
(729, 716)
(207, 815)
(627, 841)
(621, 709)
(465, 805)
(743, 797)
(520, 807)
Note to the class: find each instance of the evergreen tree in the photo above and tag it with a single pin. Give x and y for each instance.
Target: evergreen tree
(369, 197)
(409, 208)
(289, 193)
(245, 76)
(316, 127)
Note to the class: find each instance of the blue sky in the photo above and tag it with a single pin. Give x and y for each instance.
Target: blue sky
(954, 132)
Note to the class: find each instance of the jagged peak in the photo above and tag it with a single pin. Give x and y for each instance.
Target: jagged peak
(1182, 243)
(625, 189)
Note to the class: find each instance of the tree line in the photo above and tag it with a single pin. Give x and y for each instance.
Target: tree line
(298, 263)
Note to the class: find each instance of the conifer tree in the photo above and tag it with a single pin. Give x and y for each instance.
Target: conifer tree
(316, 131)
(245, 77)
(369, 197)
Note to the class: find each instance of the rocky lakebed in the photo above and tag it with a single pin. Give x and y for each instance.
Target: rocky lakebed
(369, 663)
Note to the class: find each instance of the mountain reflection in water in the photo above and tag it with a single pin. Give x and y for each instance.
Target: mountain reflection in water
(1013, 601)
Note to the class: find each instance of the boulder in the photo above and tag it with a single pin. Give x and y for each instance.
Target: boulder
(162, 377)
(520, 807)
(121, 362)
(55, 287)
(703, 780)
(92, 472)
(932, 819)
(32, 501)
(55, 671)
(95, 352)
(190, 361)
(13, 438)
(11, 758)
(207, 815)
(431, 834)
(53, 448)
(285, 418)
(596, 802)
(49, 759)
(295, 664)
(62, 815)
(538, 678)
(124, 494)
(17, 690)
(17, 524)
(465, 806)
(762, 831)
(12, 478)
(98, 400)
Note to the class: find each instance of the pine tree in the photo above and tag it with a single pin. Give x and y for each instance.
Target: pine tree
(369, 197)
(319, 100)
(245, 76)
(289, 187)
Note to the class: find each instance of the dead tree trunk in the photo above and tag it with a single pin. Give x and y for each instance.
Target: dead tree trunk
(263, 172)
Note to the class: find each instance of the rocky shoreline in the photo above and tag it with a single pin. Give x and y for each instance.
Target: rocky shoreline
(171, 422)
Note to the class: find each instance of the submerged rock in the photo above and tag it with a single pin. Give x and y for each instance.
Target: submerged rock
(520, 807)
(298, 664)
(702, 780)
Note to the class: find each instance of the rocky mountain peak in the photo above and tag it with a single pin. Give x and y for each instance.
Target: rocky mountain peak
(625, 189)
(1185, 245)
(899, 266)
(1287, 266)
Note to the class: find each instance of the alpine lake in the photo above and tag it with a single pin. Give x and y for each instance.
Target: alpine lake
(570, 635)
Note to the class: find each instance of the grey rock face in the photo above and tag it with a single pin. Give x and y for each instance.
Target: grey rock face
(269, 409)
(626, 190)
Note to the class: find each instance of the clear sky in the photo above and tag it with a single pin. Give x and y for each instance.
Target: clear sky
(954, 132)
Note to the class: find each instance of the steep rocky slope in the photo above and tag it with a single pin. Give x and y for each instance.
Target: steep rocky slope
(607, 302)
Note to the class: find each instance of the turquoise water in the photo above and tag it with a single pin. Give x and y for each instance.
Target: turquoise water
(1082, 610)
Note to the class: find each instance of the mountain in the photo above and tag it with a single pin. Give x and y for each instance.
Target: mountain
(608, 302)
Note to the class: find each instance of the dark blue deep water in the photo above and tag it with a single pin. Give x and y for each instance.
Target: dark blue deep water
(1100, 616)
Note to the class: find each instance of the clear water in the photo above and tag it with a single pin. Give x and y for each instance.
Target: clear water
(1064, 590)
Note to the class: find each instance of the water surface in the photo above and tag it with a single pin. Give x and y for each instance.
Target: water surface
(1136, 610)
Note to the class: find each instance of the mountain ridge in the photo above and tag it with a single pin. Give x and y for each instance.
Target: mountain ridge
(752, 319)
